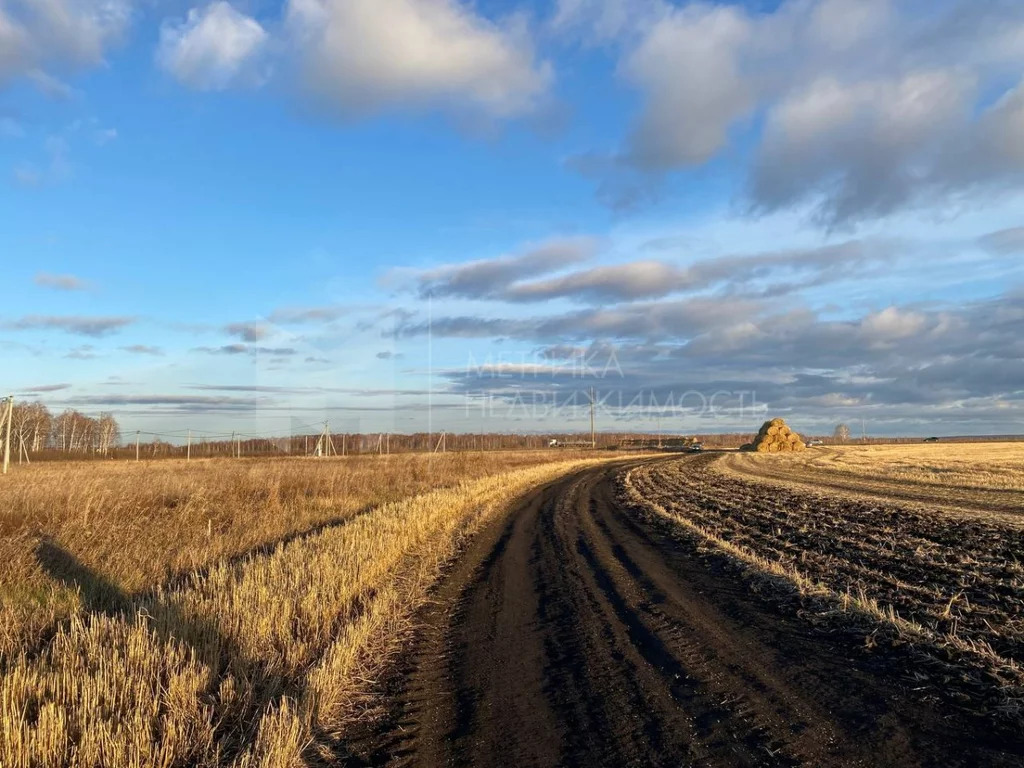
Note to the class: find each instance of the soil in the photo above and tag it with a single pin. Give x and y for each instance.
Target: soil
(577, 632)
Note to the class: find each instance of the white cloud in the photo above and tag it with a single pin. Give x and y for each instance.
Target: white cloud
(869, 106)
(688, 67)
(36, 35)
(364, 56)
(214, 48)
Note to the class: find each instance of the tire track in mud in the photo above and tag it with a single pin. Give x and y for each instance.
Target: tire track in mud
(576, 633)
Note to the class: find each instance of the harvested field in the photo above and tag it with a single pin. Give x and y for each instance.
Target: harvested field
(592, 629)
(987, 477)
(252, 661)
(136, 526)
(949, 583)
(637, 611)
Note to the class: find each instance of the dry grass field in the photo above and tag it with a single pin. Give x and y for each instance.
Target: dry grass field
(220, 613)
(982, 476)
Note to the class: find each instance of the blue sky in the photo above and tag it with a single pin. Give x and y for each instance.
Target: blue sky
(258, 215)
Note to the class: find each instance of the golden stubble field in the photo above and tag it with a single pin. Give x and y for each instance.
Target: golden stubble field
(221, 612)
(985, 477)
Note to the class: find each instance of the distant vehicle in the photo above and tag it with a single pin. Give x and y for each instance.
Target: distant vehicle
(696, 448)
(812, 443)
(931, 439)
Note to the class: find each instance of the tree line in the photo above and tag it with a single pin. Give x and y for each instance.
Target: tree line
(35, 429)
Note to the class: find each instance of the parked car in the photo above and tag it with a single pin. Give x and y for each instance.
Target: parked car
(931, 439)
(812, 443)
(696, 448)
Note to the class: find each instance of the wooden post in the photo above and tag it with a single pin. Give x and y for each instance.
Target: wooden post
(188, 455)
(388, 446)
(136, 445)
(7, 440)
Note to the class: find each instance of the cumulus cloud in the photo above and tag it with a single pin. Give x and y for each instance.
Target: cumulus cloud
(75, 324)
(37, 35)
(867, 106)
(213, 48)
(365, 56)
(689, 71)
(61, 282)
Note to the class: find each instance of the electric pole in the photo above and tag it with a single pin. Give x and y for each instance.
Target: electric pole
(593, 437)
(8, 418)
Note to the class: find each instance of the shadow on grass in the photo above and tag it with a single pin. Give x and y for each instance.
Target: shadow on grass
(237, 722)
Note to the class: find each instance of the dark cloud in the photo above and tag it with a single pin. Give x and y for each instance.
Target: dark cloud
(483, 279)
(245, 349)
(142, 349)
(1005, 242)
(903, 365)
(74, 324)
(795, 268)
(190, 403)
(227, 349)
(45, 388)
(666, 319)
(250, 332)
(83, 352)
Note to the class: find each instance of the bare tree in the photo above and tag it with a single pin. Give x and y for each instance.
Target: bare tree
(842, 433)
(107, 433)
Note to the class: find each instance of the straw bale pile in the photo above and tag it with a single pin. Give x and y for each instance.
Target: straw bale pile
(776, 437)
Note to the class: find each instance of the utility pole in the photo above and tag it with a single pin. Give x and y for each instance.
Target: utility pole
(136, 445)
(8, 418)
(188, 454)
(593, 436)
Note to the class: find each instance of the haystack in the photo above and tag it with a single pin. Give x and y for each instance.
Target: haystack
(776, 437)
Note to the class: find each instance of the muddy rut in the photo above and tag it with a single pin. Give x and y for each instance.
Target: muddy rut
(575, 632)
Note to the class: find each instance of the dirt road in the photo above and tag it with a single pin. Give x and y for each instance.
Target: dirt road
(582, 634)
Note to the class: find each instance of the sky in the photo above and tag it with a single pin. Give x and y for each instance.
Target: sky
(409, 215)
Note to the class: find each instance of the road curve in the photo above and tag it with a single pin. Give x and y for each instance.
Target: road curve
(577, 633)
